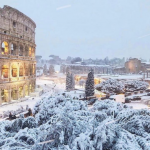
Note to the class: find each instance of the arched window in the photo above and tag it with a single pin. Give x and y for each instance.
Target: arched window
(21, 71)
(4, 48)
(4, 71)
(30, 51)
(14, 71)
(13, 49)
(26, 51)
(33, 69)
(14, 94)
(20, 50)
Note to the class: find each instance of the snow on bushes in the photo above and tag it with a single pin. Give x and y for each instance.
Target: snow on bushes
(131, 86)
(71, 125)
(111, 86)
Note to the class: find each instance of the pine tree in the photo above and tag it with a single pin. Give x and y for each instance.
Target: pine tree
(89, 86)
(72, 81)
(45, 69)
(68, 81)
(51, 70)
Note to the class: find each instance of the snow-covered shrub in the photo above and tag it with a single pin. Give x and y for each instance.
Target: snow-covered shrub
(135, 85)
(71, 125)
(110, 86)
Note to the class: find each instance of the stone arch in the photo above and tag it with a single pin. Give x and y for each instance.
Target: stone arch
(4, 95)
(5, 49)
(5, 71)
(14, 70)
(14, 94)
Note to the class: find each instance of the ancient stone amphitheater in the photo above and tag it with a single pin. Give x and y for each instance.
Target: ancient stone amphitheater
(17, 55)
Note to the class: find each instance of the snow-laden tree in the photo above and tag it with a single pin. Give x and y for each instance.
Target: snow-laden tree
(89, 85)
(111, 86)
(70, 82)
(135, 85)
(51, 70)
(62, 124)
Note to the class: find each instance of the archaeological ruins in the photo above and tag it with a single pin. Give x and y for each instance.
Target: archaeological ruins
(17, 55)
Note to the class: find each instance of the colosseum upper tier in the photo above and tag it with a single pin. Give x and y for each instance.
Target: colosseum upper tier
(17, 55)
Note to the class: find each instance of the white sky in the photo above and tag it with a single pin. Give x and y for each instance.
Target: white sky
(89, 28)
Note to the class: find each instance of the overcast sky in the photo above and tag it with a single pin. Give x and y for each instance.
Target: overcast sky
(89, 28)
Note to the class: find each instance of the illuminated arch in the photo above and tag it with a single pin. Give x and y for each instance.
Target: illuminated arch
(14, 70)
(4, 95)
(5, 48)
(14, 94)
(30, 51)
(5, 71)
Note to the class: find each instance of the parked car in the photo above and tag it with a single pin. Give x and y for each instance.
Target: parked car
(136, 98)
(128, 100)
(148, 94)
(148, 90)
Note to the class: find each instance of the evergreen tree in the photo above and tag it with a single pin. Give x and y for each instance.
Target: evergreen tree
(45, 69)
(68, 81)
(89, 86)
(72, 81)
(51, 70)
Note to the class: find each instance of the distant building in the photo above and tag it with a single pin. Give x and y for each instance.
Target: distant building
(133, 65)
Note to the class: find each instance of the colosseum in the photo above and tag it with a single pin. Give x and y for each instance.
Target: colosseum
(17, 55)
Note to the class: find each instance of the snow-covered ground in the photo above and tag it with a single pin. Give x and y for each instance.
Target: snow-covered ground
(137, 105)
(49, 89)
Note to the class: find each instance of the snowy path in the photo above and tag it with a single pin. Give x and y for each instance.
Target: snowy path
(31, 102)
